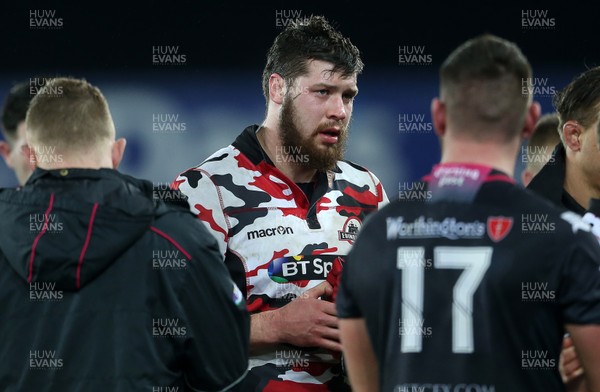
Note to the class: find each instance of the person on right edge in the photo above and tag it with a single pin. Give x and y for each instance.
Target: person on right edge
(453, 294)
(572, 177)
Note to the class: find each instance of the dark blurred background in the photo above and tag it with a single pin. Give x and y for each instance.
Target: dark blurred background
(176, 112)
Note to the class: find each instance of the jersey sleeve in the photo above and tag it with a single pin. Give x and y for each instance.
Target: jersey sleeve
(345, 302)
(205, 202)
(580, 292)
(382, 195)
(217, 345)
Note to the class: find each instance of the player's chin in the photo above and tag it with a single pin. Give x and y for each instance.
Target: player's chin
(327, 146)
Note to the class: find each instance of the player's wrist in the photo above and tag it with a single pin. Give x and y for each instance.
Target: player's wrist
(265, 328)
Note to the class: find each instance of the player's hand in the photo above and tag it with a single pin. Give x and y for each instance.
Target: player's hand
(308, 321)
(569, 366)
(334, 275)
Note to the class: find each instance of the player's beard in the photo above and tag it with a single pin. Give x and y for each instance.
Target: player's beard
(304, 148)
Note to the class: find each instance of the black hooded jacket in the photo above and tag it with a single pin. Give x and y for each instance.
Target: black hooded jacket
(104, 288)
(549, 182)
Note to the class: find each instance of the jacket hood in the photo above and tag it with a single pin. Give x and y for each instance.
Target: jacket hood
(67, 226)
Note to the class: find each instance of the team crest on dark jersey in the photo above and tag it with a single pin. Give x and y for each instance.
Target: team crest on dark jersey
(350, 230)
(498, 227)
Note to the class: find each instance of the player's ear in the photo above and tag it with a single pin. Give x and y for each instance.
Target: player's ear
(117, 151)
(29, 152)
(276, 88)
(531, 118)
(5, 152)
(571, 132)
(526, 177)
(438, 116)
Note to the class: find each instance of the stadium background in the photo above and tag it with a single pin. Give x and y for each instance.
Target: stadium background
(212, 92)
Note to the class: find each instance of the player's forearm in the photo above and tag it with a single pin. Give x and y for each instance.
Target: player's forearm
(587, 344)
(263, 331)
(359, 356)
(577, 386)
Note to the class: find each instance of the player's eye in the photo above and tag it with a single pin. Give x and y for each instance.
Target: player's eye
(349, 97)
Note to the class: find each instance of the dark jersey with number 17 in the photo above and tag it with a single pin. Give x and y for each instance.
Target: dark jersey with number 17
(469, 288)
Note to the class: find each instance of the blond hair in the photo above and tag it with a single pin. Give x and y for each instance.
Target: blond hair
(70, 115)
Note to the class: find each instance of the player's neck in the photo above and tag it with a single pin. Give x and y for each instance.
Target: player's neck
(271, 144)
(486, 154)
(75, 162)
(577, 186)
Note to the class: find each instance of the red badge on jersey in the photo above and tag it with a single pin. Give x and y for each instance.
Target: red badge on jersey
(498, 227)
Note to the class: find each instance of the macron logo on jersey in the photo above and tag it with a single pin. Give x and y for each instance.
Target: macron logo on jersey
(269, 232)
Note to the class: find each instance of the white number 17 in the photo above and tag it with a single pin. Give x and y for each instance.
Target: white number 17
(411, 260)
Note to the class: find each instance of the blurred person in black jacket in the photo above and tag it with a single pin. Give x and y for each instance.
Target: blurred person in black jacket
(570, 179)
(14, 110)
(103, 287)
(540, 146)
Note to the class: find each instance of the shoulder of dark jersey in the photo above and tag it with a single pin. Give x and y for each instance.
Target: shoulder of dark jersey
(529, 204)
(377, 218)
(182, 226)
(498, 197)
(523, 198)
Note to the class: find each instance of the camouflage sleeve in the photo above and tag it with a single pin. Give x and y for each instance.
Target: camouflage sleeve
(205, 202)
(381, 194)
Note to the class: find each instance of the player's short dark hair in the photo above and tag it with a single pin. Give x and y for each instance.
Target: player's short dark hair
(579, 100)
(15, 108)
(481, 83)
(546, 131)
(545, 134)
(311, 39)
